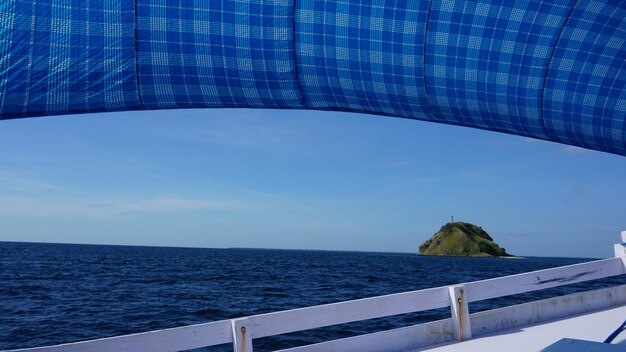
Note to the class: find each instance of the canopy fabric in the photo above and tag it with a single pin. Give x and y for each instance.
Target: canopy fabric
(547, 69)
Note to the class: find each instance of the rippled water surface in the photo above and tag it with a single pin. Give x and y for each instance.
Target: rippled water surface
(55, 293)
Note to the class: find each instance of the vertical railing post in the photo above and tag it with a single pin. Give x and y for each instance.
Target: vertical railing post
(620, 249)
(460, 313)
(242, 339)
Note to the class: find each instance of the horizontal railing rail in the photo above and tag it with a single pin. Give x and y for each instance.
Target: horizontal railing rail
(241, 331)
(277, 323)
(543, 279)
(167, 340)
(487, 322)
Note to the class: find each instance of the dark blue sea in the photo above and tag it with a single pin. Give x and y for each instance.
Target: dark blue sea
(56, 293)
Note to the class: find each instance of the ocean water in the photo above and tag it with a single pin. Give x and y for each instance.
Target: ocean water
(57, 293)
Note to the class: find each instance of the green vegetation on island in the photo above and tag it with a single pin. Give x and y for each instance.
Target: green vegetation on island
(462, 239)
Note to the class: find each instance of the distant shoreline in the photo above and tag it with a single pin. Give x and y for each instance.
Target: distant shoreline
(279, 249)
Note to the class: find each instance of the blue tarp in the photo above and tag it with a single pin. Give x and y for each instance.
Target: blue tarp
(547, 69)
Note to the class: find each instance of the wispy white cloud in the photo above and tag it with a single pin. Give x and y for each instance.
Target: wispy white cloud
(243, 137)
(244, 130)
(160, 204)
(23, 194)
(16, 182)
(581, 191)
(481, 175)
(109, 207)
(570, 149)
(531, 140)
(287, 131)
(20, 157)
(391, 164)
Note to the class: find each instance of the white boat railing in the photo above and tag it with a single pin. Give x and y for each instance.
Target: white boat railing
(461, 326)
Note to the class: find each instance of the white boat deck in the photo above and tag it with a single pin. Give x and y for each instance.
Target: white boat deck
(595, 326)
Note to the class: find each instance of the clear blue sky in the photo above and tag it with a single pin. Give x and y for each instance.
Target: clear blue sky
(299, 179)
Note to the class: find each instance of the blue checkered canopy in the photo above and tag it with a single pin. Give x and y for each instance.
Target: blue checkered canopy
(547, 69)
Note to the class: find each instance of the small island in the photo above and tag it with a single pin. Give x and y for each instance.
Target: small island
(462, 239)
